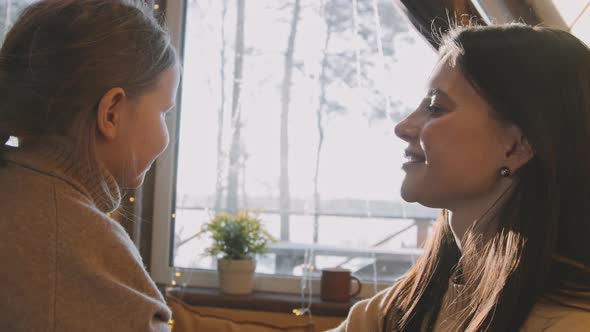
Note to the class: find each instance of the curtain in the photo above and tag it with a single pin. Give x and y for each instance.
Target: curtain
(428, 16)
(505, 11)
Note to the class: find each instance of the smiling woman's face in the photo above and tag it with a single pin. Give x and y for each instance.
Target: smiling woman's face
(455, 144)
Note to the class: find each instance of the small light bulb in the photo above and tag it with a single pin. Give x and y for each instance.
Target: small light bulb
(131, 199)
(173, 282)
(178, 274)
(156, 6)
(301, 311)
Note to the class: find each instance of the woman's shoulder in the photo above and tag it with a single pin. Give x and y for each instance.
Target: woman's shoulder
(552, 316)
(368, 314)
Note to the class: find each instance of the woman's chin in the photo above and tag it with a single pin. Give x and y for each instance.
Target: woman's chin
(409, 190)
(422, 198)
(413, 193)
(408, 195)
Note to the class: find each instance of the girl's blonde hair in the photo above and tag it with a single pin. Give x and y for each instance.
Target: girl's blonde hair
(62, 56)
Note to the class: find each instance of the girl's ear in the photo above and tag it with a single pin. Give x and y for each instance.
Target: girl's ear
(109, 112)
(519, 150)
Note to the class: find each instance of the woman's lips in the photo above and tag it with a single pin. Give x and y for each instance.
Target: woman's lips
(414, 157)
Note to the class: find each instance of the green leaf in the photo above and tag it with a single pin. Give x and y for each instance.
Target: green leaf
(239, 236)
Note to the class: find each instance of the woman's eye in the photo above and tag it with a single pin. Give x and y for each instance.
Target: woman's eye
(434, 110)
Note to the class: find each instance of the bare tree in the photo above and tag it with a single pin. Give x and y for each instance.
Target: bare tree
(220, 115)
(321, 132)
(234, 152)
(285, 199)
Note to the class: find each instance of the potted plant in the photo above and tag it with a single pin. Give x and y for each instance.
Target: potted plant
(236, 240)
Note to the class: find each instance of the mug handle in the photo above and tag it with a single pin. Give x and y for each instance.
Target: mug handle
(358, 283)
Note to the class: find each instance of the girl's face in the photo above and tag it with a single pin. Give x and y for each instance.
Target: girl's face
(143, 133)
(455, 145)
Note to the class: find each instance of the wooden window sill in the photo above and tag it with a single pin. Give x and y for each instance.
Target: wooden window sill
(259, 301)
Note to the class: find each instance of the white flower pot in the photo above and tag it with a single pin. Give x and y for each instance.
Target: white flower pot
(236, 277)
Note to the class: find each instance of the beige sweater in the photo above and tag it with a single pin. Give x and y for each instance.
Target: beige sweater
(66, 266)
(368, 315)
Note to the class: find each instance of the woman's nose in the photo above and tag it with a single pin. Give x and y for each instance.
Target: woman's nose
(409, 128)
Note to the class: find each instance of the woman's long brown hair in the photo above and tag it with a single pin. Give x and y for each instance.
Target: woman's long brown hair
(538, 79)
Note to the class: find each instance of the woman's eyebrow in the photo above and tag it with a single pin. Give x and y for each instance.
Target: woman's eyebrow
(436, 93)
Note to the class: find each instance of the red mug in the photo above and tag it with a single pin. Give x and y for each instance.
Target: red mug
(336, 285)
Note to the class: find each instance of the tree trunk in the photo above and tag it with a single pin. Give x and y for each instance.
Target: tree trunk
(220, 116)
(285, 199)
(234, 153)
(320, 115)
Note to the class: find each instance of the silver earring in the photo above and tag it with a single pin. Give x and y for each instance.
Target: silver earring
(505, 171)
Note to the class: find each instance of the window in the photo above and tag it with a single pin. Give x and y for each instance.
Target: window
(576, 16)
(288, 108)
(9, 11)
(571, 16)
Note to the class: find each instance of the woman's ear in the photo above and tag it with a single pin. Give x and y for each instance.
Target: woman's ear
(109, 113)
(519, 151)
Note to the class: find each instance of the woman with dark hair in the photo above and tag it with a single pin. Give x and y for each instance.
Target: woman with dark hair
(500, 143)
(84, 87)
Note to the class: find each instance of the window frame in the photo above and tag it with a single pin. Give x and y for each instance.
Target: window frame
(164, 174)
